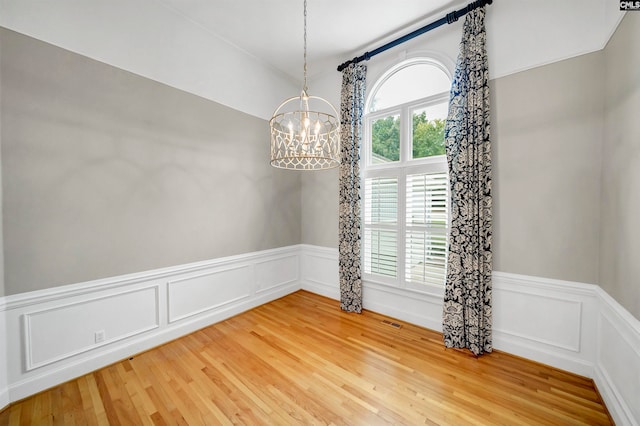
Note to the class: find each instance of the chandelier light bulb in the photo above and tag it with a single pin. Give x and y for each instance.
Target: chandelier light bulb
(296, 143)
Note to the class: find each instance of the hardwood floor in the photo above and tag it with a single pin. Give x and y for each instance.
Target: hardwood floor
(300, 360)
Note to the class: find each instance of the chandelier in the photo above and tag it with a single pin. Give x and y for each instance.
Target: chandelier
(305, 133)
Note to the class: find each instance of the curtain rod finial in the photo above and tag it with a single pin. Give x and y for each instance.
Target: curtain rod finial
(448, 19)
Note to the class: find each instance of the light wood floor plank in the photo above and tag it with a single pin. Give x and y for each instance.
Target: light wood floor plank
(300, 360)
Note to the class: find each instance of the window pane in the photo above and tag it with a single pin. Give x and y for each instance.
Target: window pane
(428, 130)
(381, 201)
(426, 255)
(405, 234)
(381, 254)
(409, 84)
(427, 200)
(385, 140)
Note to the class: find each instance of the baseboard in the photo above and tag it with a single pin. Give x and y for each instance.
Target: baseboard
(619, 410)
(58, 334)
(319, 270)
(4, 398)
(4, 394)
(319, 274)
(546, 320)
(4, 387)
(549, 321)
(617, 373)
(572, 326)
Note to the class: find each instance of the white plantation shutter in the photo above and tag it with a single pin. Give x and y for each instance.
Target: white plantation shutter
(380, 221)
(381, 255)
(381, 201)
(426, 228)
(427, 200)
(405, 184)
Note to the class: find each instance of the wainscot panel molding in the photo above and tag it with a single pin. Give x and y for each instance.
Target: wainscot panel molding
(572, 326)
(194, 294)
(58, 334)
(617, 372)
(549, 321)
(319, 274)
(53, 334)
(4, 387)
(319, 270)
(4, 396)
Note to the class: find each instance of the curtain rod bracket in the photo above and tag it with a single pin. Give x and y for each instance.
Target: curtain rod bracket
(448, 19)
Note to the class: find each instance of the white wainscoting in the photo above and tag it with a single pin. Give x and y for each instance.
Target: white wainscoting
(319, 274)
(4, 382)
(617, 372)
(60, 333)
(319, 270)
(194, 294)
(54, 334)
(572, 326)
(549, 321)
(50, 335)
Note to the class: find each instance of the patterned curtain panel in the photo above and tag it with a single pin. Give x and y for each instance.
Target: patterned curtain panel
(351, 109)
(467, 298)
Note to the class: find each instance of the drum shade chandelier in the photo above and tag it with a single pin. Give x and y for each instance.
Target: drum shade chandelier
(303, 138)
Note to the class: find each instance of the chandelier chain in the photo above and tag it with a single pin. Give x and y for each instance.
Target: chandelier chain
(305, 46)
(304, 138)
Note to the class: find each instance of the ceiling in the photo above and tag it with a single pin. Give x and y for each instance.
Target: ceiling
(247, 54)
(272, 31)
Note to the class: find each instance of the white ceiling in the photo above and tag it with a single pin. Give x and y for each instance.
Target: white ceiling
(273, 30)
(247, 54)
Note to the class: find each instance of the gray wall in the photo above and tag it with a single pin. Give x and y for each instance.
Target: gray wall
(620, 226)
(547, 126)
(2, 291)
(105, 173)
(566, 146)
(546, 131)
(320, 208)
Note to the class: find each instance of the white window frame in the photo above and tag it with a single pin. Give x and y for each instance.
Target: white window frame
(399, 169)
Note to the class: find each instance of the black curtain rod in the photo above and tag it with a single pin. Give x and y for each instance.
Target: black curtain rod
(450, 18)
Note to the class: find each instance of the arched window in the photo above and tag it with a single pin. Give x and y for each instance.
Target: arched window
(405, 176)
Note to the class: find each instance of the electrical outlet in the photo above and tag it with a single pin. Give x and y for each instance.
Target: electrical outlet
(99, 336)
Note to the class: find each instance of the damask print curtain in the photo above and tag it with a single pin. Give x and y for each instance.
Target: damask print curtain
(351, 108)
(467, 299)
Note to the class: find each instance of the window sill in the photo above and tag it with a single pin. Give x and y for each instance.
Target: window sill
(429, 294)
